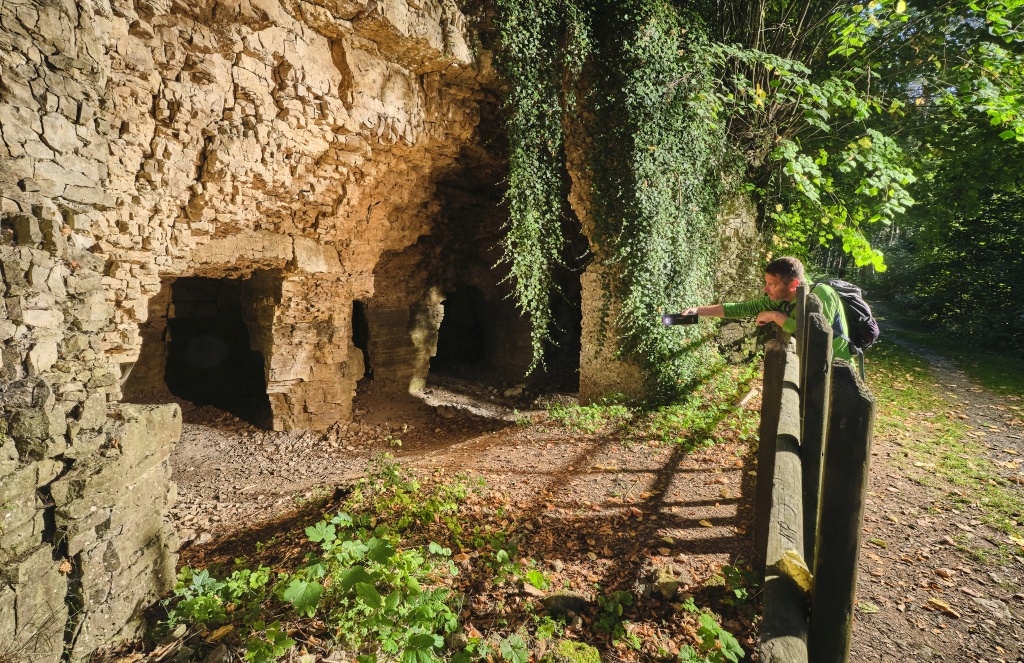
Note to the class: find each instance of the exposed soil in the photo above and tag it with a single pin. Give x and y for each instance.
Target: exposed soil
(607, 509)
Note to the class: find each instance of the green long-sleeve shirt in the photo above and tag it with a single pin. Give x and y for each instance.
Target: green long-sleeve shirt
(831, 308)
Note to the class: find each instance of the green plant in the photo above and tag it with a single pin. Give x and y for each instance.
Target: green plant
(200, 598)
(268, 643)
(610, 618)
(588, 419)
(374, 591)
(537, 578)
(513, 649)
(716, 644)
(548, 628)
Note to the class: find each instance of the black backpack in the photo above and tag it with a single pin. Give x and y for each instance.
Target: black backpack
(863, 326)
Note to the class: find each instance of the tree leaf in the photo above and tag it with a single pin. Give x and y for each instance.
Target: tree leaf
(369, 594)
(305, 596)
(379, 551)
(356, 574)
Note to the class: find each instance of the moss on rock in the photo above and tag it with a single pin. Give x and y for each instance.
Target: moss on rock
(570, 651)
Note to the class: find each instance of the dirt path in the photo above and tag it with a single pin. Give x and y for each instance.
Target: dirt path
(608, 511)
(921, 596)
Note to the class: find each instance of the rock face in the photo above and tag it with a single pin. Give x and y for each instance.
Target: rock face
(170, 170)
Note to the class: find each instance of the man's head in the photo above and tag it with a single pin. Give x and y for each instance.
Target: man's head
(782, 276)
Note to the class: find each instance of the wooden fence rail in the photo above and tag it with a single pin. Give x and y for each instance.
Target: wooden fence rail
(815, 445)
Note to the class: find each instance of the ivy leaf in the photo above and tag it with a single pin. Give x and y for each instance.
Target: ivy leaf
(305, 596)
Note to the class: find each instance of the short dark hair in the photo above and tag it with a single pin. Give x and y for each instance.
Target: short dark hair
(787, 269)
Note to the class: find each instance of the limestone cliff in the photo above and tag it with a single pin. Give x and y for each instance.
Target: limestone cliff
(300, 151)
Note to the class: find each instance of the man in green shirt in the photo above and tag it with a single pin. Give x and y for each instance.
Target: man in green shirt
(782, 276)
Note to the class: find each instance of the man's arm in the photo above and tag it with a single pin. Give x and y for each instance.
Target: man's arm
(757, 307)
(714, 311)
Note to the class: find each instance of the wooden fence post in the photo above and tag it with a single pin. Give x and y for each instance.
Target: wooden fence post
(843, 489)
(771, 402)
(815, 403)
(784, 628)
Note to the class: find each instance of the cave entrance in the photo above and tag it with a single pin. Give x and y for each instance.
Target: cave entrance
(463, 338)
(196, 348)
(361, 336)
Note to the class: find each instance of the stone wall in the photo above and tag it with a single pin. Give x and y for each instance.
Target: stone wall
(285, 144)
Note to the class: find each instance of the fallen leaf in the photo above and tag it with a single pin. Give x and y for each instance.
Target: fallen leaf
(867, 607)
(704, 523)
(220, 633)
(939, 604)
(880, 543)
(791, 564)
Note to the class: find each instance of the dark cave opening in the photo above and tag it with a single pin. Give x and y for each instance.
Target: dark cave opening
(463, 337)
(209, 361)
(196, 348)
(361, 336)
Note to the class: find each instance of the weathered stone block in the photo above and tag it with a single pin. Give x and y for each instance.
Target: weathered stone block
(26, 230)
(37, 424)
(40, 613)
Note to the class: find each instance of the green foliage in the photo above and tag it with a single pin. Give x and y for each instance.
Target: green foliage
(537, 578)
(267, 643)
(543, 42)
(610, 620)
(716, 644)
(658, 162)
(375, 596)
(655, 163)
(513, 649)
(589, 419)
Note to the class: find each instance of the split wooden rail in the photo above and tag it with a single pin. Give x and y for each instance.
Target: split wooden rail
(812, 473)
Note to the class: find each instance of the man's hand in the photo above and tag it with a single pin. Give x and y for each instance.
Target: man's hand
(778, 317)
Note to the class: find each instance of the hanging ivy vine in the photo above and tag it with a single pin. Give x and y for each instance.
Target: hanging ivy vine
(656, 167)
(543, 46)
(658, 171)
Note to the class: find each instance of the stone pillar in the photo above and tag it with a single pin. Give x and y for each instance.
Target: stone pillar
(302, 324)
(403, 338)
(601, 372)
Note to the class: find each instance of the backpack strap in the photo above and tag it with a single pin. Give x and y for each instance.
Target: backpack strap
(837, 321)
